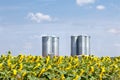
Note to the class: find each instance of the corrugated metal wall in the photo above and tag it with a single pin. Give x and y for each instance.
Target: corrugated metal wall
(80, 45)
(50, 46)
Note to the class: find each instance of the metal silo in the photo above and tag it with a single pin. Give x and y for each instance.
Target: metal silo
(55, 46)
(87, 45)
(74, 41)
(81, 45)
(46, 45)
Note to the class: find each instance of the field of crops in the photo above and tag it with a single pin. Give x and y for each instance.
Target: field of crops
(30, 67)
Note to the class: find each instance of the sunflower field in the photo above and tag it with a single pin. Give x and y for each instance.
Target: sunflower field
(28, 67)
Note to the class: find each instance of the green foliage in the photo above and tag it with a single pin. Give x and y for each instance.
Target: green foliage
(30, 67)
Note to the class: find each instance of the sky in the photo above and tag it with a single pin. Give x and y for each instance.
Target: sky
(24, 22)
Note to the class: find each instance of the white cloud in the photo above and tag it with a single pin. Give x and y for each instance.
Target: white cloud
(39, 17)
(100, 7)
(83, 2)
(114, 30)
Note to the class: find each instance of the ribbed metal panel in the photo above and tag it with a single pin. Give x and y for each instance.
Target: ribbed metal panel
(81, 45)
(87, 45)
(74, 45)
(46, 45)
(55, 46)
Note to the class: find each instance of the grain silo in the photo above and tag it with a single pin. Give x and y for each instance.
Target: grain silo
(74, 40)
(55, 46)
(50, 46)
(80, 45)
(46, 45)
(87, 45)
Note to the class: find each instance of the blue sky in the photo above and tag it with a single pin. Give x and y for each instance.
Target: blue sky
(23, 22)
